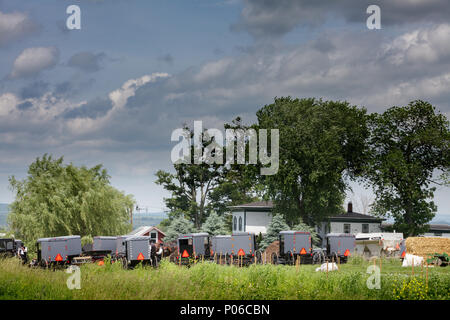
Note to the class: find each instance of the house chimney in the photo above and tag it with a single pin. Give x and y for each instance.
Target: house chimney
(350, 207)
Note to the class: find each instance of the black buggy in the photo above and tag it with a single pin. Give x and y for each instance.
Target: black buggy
(8, 248)
(193, 246)
(294, 247)
(339, 246)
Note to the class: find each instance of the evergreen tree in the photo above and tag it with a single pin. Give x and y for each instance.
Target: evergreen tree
(179, 225)
(277, 224)
(215, 225)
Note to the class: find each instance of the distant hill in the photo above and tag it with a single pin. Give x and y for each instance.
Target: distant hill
(148, 219)
(441, 219)
(139, 219)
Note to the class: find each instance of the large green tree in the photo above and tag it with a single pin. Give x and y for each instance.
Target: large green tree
(197, 189)
(57, 199)
(322, 143)
(409, 146)
(190, 187)
(241, 183)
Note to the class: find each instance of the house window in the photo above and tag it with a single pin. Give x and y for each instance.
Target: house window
(240, 223)
(234, 223)
(153, 237)
(365, 228)
(346, 227)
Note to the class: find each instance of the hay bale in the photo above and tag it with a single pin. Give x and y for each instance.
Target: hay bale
(273, 247)
(422, 246)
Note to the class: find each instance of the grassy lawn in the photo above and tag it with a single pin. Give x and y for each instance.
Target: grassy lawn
(210, 281)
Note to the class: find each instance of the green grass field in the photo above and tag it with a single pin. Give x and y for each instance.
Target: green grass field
(210, 281)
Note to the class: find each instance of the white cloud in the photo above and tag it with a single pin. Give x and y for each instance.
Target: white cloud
(33, 60)
(420, 46)
(8, 102)
(14, 26)
(120, 96)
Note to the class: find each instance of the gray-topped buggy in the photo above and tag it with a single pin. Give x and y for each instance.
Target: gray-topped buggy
(293, 245)
(57, 250)
(193, 246)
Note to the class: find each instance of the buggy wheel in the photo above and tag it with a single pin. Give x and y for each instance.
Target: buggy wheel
(317, 258)
(125, 263)
(437, 262)
(290, 258)
(258, 257)
(44, 264)
(274, 258)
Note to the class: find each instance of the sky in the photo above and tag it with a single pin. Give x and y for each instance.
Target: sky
(113, 91)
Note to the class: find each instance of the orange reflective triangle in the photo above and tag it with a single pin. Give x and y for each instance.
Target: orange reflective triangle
(241, 252)
(185, 254)
(303, 251)
(140, 256)
(58, 257)
(347, 253)
(397, 246)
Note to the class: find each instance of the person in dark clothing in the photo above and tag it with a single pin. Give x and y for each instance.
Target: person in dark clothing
(25, 254)
(153, 255)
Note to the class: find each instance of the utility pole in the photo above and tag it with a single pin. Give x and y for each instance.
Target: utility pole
(131, 217)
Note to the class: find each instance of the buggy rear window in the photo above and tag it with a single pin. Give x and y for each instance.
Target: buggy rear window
(186, 242)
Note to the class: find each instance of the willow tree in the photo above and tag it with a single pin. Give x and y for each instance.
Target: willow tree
(57, 199)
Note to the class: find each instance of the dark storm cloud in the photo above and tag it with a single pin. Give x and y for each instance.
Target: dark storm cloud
(34, 90)
(87, 61)
(167, 58)
(63, 88)
(73, 87)
(275, 18)
(15, 26)
(61, 26)
(93, 109)
(370, 69)
(24, 105)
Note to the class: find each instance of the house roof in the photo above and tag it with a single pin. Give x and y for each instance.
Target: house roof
(439, 227)
(348, 216)
(257, 205)
(355, 216)
(143, 230)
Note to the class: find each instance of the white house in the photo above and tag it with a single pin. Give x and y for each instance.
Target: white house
(256, 217)
(252, 217)
(352, 222)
